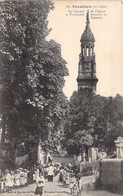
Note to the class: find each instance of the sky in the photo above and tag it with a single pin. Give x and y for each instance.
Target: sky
(68, 21)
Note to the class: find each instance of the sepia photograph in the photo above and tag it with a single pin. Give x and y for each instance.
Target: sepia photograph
(61, 97)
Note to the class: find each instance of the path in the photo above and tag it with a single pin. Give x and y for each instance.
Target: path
(55, 189)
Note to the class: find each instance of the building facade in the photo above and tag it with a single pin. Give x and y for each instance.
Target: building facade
(87, 64)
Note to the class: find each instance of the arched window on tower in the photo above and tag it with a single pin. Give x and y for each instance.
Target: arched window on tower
(91, 52)
(80, 67)
(87, 49)
(83, 52)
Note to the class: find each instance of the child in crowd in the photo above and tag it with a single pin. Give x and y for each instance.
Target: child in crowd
(67, 178)
(8, 180)
(78, 186)
(72, 183)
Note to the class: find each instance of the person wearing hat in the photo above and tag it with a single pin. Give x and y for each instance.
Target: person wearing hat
(25, 176)
(11, 184)
(17, 178)
(34, 175)
(8, 180)
(22, 178)
(40, 186)
(30, 176)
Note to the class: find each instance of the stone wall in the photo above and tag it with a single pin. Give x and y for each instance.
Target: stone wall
(110, 172)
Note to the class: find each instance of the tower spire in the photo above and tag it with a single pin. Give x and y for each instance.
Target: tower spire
(87, 18)
(87, 65)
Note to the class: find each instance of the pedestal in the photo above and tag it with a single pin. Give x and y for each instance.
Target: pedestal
(119, 146)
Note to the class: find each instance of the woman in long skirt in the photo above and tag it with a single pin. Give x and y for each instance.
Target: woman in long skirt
(40, 187)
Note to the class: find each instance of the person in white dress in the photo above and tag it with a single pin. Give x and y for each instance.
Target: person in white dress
(67, 178)
(40, 185)
(34, 175)
(8, 181)
(25, 177)
(21, 178)
(11, 180)
(17, 178)
(50, 173)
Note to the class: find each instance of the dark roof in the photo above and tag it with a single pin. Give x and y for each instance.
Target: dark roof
(87, 35)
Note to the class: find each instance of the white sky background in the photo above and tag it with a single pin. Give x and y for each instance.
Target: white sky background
(108, 33)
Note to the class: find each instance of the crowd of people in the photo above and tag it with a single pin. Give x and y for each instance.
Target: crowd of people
(71, 180)
(20, 177)
(13, 179)
(38, 174)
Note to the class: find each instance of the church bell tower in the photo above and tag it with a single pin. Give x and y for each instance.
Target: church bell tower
(87, 64)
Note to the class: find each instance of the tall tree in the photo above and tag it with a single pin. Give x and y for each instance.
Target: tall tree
(106, 126)
(93, 121)
(79, 126)
(32, 71)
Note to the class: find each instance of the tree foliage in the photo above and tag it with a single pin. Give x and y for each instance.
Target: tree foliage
(106, 126)
(32, 71)
(93, 121)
